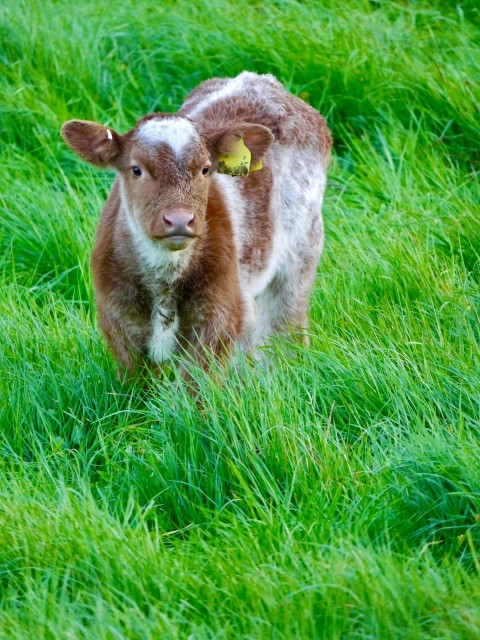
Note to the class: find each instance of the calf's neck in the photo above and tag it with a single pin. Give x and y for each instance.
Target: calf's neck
(212, 231)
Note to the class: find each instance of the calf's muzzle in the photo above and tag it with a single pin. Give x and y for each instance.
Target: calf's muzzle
(175, 229)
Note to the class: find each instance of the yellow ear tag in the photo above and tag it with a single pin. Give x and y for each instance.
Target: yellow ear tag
(237, 162)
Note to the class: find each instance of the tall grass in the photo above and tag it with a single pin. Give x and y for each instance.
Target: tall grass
(330, 492)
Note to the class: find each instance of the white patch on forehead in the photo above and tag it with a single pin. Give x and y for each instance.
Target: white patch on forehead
(177, 133)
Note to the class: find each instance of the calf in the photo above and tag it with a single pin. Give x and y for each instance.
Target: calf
(212, 230)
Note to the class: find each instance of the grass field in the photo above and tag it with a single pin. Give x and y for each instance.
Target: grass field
(333, 493)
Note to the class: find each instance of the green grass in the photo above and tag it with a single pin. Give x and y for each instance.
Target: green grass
(331, 492)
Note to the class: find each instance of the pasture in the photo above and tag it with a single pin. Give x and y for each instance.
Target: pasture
(329, 492)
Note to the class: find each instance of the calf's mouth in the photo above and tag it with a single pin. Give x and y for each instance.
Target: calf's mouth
(177, 242)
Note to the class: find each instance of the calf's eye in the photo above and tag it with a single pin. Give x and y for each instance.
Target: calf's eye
(205, 170)
(136, 171)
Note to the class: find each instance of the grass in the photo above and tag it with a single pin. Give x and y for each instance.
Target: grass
(333, 492)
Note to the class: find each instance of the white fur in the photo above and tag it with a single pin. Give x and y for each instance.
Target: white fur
(177, 133)
(163, 341)
(232, 86)
(297, 190)
(252, 284)
(264, 88)
(236, 207)
(158, 263)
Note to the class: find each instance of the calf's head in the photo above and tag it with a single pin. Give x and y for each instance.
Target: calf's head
(165, 165)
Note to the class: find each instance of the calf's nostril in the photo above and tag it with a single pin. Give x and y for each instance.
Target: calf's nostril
(169, 221)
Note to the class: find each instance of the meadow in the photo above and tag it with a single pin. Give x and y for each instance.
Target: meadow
(330, 492)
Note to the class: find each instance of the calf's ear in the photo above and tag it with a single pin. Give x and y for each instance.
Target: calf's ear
(239, 149)
(92, 142)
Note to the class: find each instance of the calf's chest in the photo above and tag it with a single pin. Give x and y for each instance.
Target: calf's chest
(164, 325)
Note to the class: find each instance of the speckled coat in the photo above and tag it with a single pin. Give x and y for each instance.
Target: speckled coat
(246, 267)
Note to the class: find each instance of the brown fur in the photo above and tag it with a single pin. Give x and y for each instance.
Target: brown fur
(197, 291)
(207, 295)
(210, 303)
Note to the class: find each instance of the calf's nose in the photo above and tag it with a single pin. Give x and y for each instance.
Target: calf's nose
(179, 222)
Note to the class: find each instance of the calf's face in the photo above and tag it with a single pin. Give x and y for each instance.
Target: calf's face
(165, 167)
(164, 180)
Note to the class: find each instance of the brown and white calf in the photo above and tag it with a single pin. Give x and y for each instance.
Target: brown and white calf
(189, 258)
